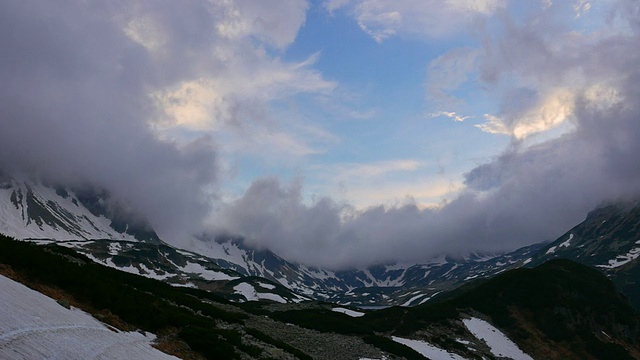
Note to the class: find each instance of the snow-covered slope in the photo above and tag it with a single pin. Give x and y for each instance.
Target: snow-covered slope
(32, 210)
(33, 326)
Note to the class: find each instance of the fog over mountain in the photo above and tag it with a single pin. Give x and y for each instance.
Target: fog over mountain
(148, 99)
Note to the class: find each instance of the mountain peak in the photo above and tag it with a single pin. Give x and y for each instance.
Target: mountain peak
(33, 209)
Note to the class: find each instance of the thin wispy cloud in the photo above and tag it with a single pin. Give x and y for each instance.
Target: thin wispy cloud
(449, 114)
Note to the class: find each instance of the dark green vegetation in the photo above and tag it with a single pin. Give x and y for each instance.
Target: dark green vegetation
(559, 310)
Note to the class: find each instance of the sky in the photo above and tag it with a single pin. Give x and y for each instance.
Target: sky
(336, 133)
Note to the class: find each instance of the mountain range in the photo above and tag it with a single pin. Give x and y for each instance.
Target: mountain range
(557, 310)
(608, 240)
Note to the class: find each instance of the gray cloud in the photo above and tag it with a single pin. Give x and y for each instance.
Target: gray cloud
(81, 83)
(74, 109)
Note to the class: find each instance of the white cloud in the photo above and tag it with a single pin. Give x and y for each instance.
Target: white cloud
(581, 7)
(552, 110)
(448, 72)
(221, 74)
(281, 144)
(427, 193)
(147, 32)
(391, 182)
(450, 114)
(375, 169)
(196, 105)
(431, 18)
(275, 22)
(209, 103)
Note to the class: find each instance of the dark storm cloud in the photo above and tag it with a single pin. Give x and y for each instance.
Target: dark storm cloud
(90, 94)
(74, 109)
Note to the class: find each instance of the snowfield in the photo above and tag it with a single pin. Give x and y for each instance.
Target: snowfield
(250, 293)
(34, 326)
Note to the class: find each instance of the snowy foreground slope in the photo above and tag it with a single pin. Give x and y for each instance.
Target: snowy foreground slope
(34, 326)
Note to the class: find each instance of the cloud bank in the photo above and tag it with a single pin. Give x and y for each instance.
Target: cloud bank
(534, 191)
(130, 96)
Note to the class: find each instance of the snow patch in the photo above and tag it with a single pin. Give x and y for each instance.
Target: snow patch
(150, 273)
(207, 274)
(114, 248)
(622, 259)
(427, 350)
(499, 343)
(348, 312)
(568, 242)
(249, 292)
(429, 298)
(416, 297)
(187, 285)
(267, 286)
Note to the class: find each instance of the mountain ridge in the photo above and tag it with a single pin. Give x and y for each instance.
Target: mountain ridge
(32, 209)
